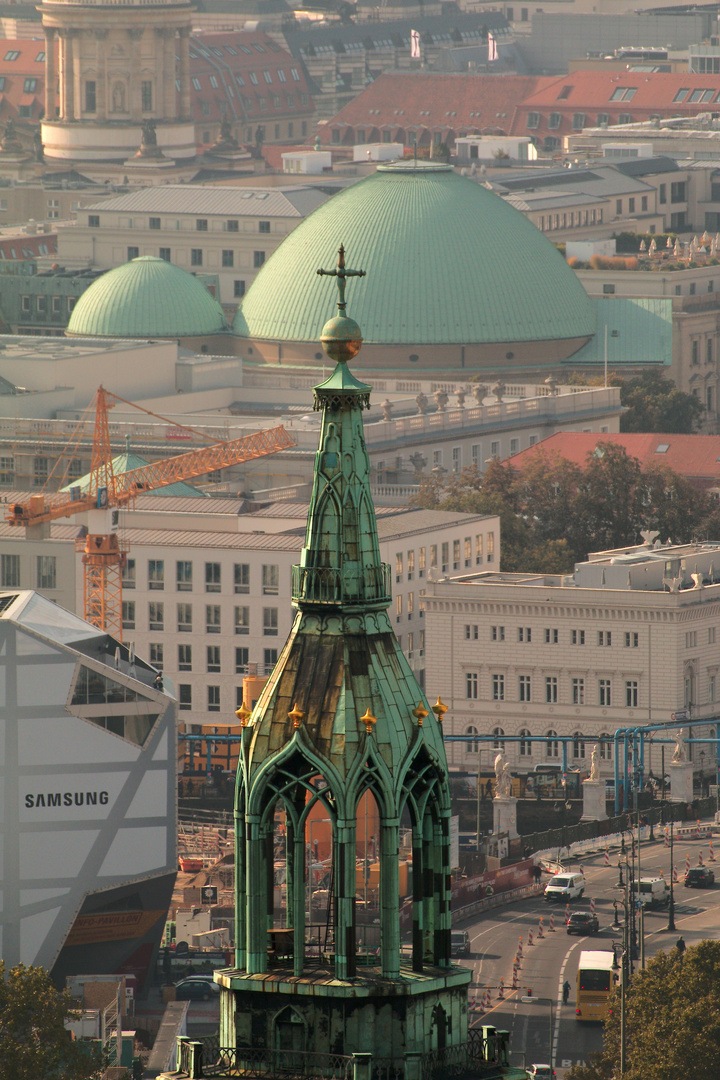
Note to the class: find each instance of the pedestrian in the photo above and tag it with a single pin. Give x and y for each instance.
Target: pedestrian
(566, 992)
(680, 946)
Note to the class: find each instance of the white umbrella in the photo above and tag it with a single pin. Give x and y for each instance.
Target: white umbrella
(668, 242)
(642, 245)
(677, 249)
(653, 246)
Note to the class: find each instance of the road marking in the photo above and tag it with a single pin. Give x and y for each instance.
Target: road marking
(558, 1004)
(499, 1004)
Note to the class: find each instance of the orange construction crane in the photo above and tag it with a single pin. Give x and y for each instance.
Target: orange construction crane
(102, 552)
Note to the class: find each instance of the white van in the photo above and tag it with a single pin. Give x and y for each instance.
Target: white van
(565, 887)
(653, 892)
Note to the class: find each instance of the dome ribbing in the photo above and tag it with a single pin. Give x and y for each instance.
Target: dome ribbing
(146, 298)
(448, 262)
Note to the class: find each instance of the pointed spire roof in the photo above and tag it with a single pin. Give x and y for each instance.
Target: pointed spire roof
(342, 689)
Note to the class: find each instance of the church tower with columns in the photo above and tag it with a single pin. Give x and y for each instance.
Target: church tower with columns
(342, 721)
(110, 86)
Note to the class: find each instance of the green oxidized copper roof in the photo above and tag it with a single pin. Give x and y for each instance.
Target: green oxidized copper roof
(148, 298)
(126, 463)
(342, 658)
(448, 261)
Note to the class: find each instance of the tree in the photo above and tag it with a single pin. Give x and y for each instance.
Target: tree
(610, 500)
(655, 404)
(34, 1044)
(672, 1021)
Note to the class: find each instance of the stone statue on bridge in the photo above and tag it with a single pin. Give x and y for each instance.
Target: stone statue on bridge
(503, 780)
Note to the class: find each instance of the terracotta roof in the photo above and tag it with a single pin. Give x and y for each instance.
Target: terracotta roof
(410, 100)
(696, 457)
(22, 79)
(228, 77)
(638, 95)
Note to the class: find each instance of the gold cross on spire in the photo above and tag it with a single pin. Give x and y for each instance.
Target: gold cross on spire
(341, 273)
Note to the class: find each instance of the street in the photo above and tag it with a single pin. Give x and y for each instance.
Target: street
(553, 958)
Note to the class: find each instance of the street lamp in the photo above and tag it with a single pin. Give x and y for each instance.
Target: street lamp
(671, 903)
(702, 773)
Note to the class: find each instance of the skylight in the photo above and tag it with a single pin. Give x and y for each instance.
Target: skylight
(662, 448)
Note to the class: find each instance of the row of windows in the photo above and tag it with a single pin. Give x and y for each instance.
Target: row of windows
(213, 695)
(213, 658)
(551, 635)
(550, 689)
(196, 256)
(201, 224)
(45, 571)
(211, 576)
(55, 305)
(184, 618)
(471, 548)
(550, 748)
(266, 74)
(570, 220)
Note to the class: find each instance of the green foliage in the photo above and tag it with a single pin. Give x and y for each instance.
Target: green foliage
(655, 404)
(672, 1021)
(34, 1044)
(554, 513)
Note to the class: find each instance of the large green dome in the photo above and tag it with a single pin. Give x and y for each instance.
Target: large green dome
(448, 262)
(146, 298)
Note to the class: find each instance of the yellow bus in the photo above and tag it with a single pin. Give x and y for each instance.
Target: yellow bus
(596, 980)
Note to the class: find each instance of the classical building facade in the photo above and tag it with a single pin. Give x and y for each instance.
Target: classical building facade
(117, 71)
(628, 639)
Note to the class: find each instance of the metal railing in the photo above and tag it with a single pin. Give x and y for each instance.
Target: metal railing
(331, 585)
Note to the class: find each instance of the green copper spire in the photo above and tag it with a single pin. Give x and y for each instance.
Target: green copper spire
(342, 713)
(340, 563)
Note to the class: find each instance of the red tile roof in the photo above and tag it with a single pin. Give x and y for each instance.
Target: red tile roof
(696, 457)
(22, 79)
(230, 72)
(416, 101)
(639, 94)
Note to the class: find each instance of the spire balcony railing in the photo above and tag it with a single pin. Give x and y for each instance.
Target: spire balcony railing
(332, 585)
(485, 1053)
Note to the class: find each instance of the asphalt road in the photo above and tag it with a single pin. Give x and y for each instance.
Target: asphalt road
(553, 958)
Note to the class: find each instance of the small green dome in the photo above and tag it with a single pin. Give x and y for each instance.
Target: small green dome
(448, 262)
(146, 298)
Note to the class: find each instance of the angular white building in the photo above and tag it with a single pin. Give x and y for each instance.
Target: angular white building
(88, 783)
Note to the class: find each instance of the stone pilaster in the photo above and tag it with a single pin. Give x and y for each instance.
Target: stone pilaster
(101, 84)
(67, 90)
(135, 100)
(185, 104)
(50, 73)
(389, 892)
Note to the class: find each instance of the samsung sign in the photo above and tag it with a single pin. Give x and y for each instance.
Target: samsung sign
(56, 799)
(66, 798)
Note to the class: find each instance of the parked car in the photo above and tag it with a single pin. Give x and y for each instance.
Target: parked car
(542, 1072)
(583, 922)
(699, 877)
(196, 988)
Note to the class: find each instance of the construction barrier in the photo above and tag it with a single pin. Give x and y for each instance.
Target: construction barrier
(552, 924)
(540, 928)
(530, 938)
(592, 906)
(501, 991)
(675, 875)
(607, 856)
(712, 853)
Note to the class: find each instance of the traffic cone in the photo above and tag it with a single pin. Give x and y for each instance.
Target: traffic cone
(501, 992)
(552, 924)
(530, 940)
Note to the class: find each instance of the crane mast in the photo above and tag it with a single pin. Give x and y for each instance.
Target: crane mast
(103, 553)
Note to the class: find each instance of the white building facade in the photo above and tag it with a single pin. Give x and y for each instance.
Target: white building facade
(207, 589)
(630, 639)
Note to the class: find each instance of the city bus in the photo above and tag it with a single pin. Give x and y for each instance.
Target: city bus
(596, 980)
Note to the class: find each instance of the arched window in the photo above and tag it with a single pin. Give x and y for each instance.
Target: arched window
(525, 746)
(498, 739)
(578, 744)
(472, 745)
(552, 746)
(606, 746)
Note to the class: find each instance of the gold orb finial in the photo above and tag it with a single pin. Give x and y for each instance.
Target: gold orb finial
(368, 720)
(440, 708)
(243, 714)
(297, 716)
(420, 712)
